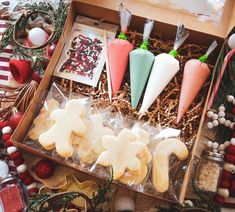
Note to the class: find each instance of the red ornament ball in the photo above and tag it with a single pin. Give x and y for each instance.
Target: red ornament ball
(15, 120)
(51, 49)
(44, 169)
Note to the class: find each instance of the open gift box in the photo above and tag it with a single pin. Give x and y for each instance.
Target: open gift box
(107, 11)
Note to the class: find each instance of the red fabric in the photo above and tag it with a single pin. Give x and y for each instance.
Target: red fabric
(226, 175)
(231, 149)
(21, 70)
(230, 158)
(224, 184)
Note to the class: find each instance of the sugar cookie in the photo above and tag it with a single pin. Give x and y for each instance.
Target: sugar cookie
(140, 134)
(161, 156)
(67, 122)
(121, 153)
(43, 122)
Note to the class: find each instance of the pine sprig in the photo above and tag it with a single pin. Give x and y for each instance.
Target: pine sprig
(37, 200)
(7, 37)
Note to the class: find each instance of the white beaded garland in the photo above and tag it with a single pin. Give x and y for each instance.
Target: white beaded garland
(21, 168)
(215, 150)
(215, 123)
(227, 143)
(11, 150)
(224, 192)
(124, 203)
(230, 98)
(6, 130)
(33, 185)
(222, 152)
(227, 123)
(222, 108)
(215, 145)
(210, 114)
(232, 141)
(221, 147)
(231, 125)
(215, 117)
(210, 125)
(221, 114)
(222, 120)
(209, 144)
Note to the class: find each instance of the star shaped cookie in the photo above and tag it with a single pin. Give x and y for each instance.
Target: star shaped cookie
(121, 153)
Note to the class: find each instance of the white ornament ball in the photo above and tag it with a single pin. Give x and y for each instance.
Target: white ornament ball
(215, 116)
(232, 141)
(209, 144)
(221, 108)
(231, 41)
(124, 203)
(215, 123)
(209, 125)
(230, 98)
(222, 120)
(231, 125)
(227, 143)
(221, 114)
(37, 36)
(222, 147)
(4, 169)
(210, 114)
(215, 145)
(227, 123)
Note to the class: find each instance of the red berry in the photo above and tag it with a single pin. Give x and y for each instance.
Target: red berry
(226, 175)
(224, 184)
(231, 149)
(36, 78)
(6, 137)
(15, 120)
(22, 176)
(16, 155)
(51, 49)
(230, 158)
(8, 143)
(33, 191)
(28, 180)
(3, 124)
(219, 199)
(18, 161)
(44, 169)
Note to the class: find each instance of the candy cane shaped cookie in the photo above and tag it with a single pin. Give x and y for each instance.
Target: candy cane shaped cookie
(161, 158)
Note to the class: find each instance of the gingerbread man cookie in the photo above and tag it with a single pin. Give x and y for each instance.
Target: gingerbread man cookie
(43, 122)
(67, 123)
(121, 153)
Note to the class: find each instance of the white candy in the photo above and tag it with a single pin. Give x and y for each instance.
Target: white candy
(222, 152)
(4, 169)
(222, 108)
(210, 125)
(232, 141)
(231, 125)
(6, 130)
(210, 114)
(222, 147)
(21, 168)
(215, 116)
(215, 123)
(124, 203)
(227, 143)
(11, 150)
(215, 145)
(223, 192)
(209, 144)
(33, 185)
(230, 98)
(227, 123)
(229, 167)
(222, 120)
(231, 41)
(221, 114)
